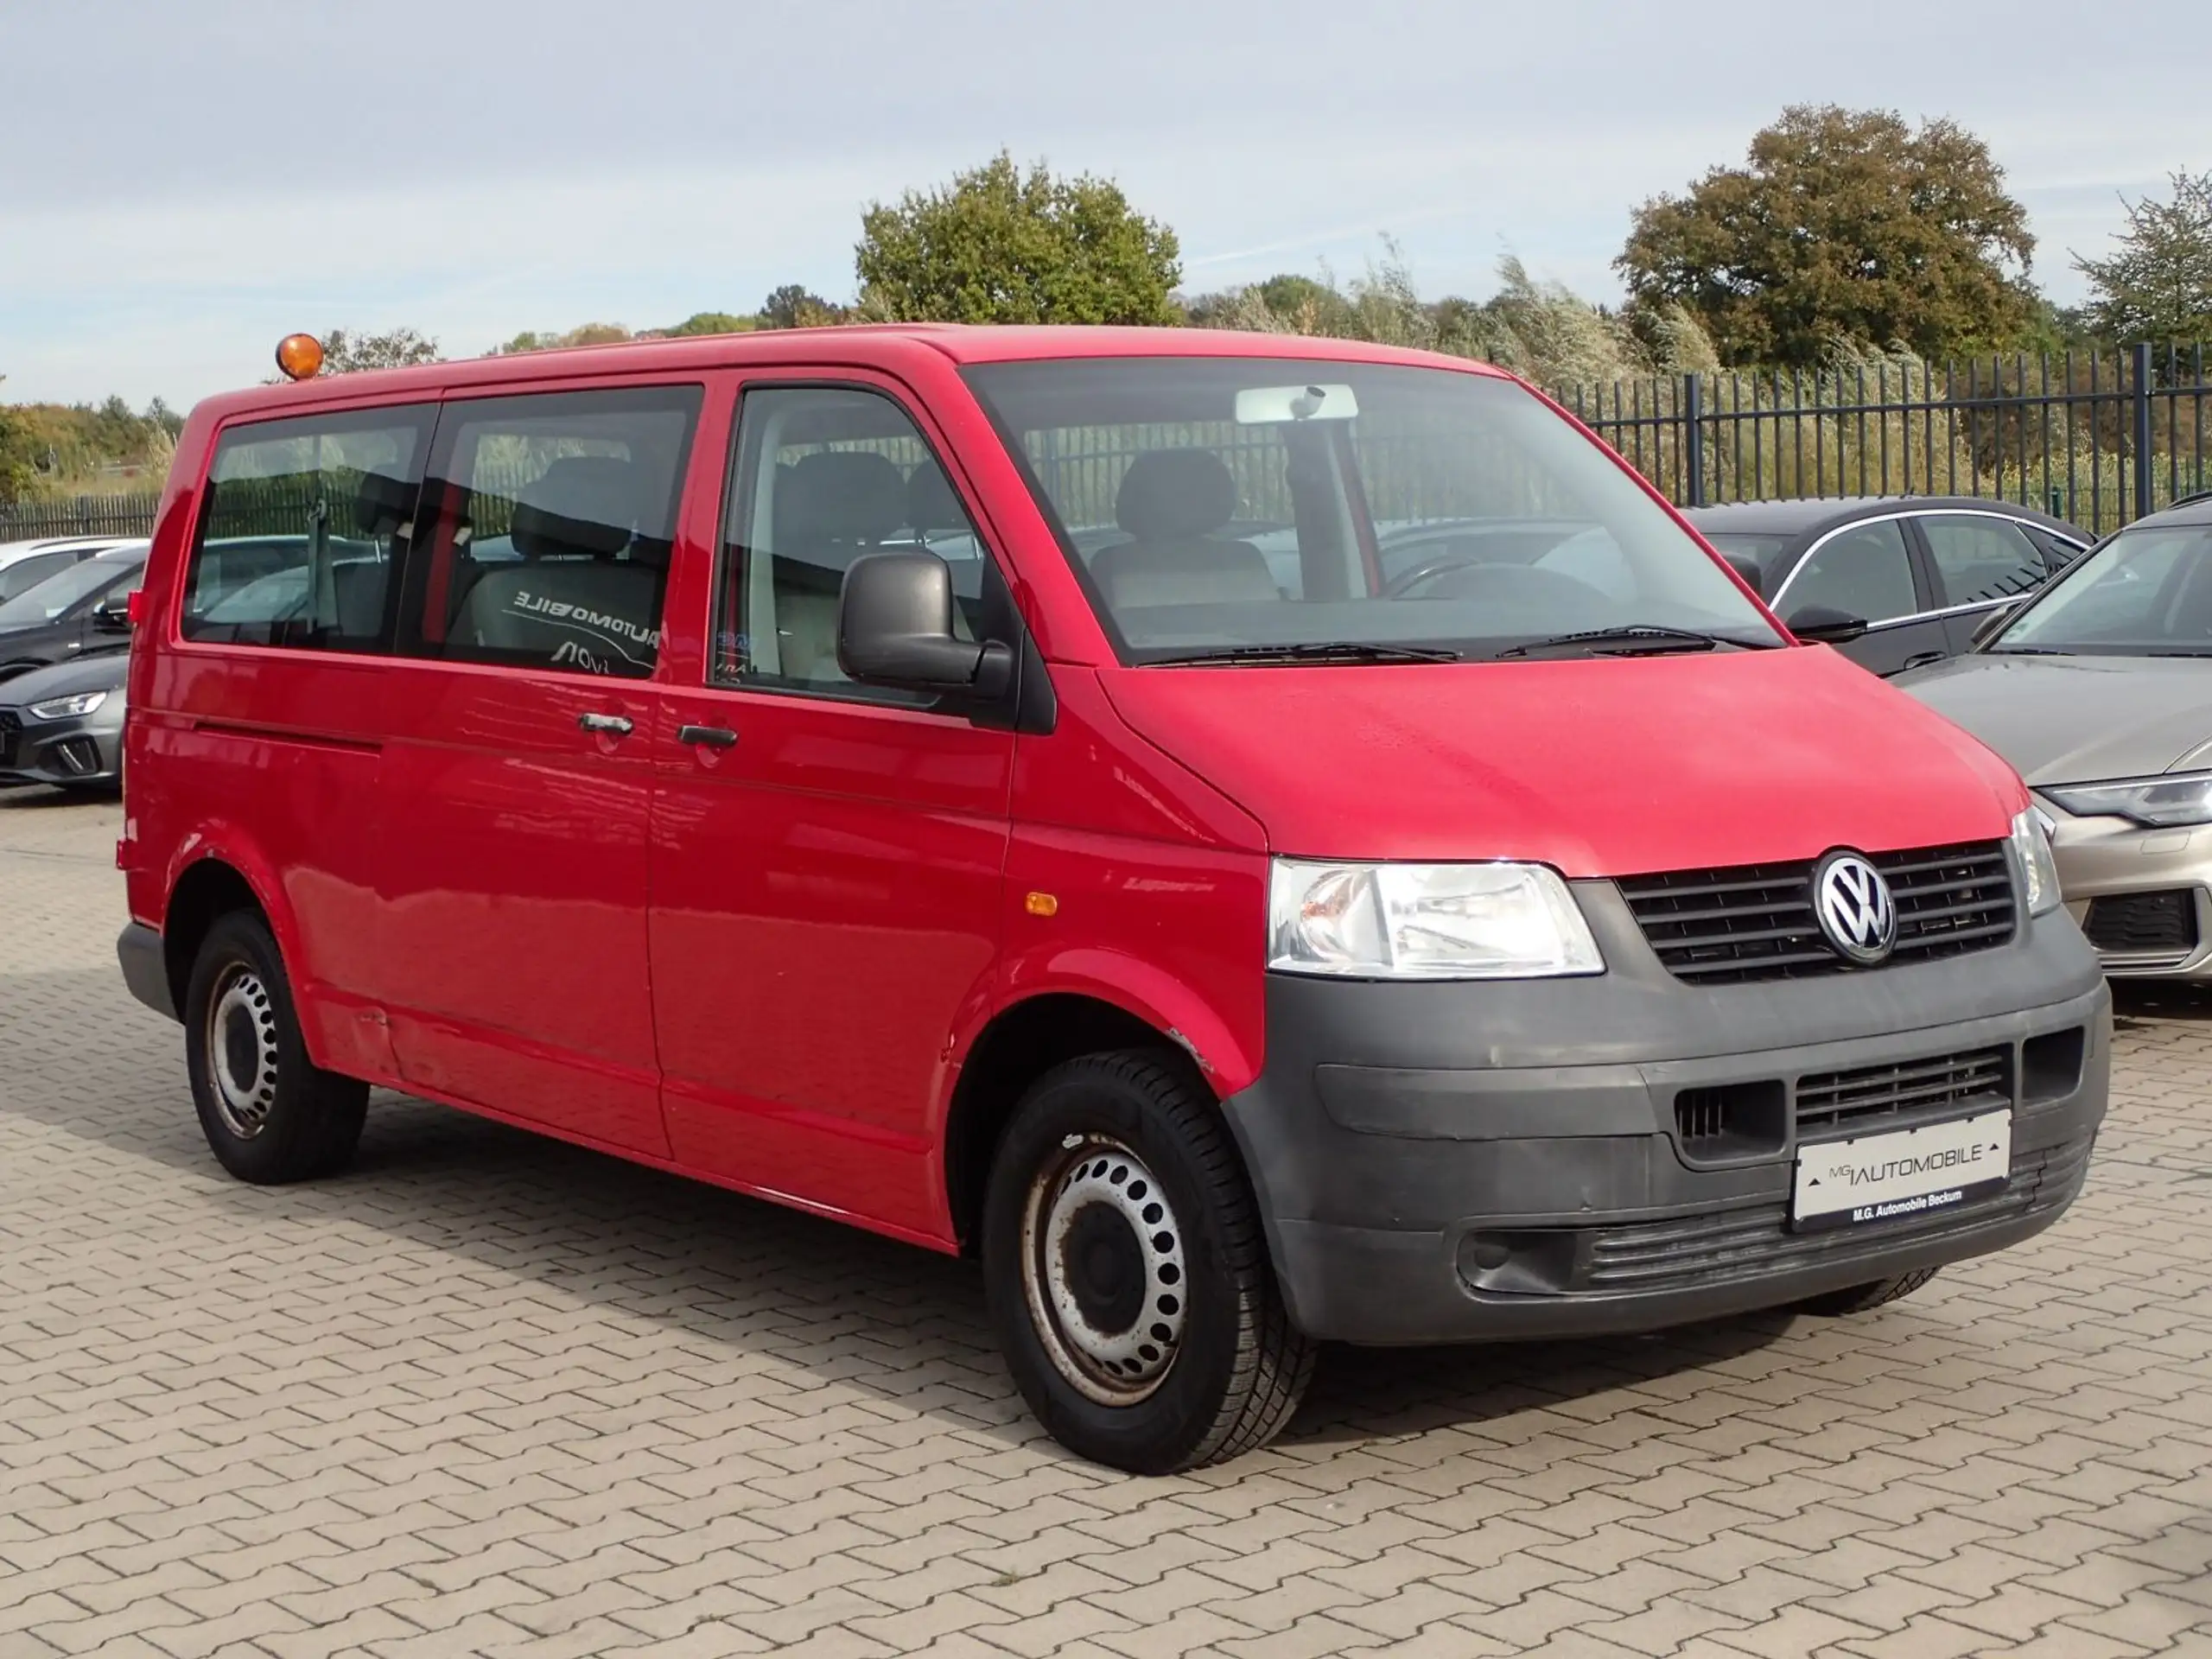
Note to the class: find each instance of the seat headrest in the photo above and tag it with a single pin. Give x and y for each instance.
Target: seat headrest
(1172, 494)
(843, 495)
(580, 506)
(382, 504)
(931, 503)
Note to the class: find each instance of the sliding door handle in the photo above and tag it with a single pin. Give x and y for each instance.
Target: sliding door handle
(612, 725)
(709, 737)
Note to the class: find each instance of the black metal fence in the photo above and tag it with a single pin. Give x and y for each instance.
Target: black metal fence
(2098, 438)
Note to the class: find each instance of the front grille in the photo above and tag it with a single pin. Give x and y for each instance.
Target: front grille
(12, 728)
(2140, 923)
(1756, 921)
(1686, 1252)
(1853, 1102)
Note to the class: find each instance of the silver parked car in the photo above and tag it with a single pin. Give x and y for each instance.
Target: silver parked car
(2099, 691)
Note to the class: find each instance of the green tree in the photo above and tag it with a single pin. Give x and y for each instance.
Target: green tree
(793, 305)
(2158, 284)
(345, 353)
(1845, 224)
(711, 322)
(17, 467)
(585, 333)
(1001, 246)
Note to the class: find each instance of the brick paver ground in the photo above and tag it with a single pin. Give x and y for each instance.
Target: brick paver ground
(488, 1395)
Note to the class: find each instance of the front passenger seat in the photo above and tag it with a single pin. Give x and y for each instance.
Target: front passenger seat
(1172, 501)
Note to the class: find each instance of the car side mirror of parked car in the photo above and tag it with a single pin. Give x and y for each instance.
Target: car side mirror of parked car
(1824, 625)
(1749, 570)
(112, 615)
(1993, 625)
(894, 628)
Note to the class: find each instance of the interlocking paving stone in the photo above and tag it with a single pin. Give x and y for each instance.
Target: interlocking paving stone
(490, 1395)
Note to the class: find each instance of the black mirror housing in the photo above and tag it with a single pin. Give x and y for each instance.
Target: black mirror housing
(894, 628)
(111, 616)
(1993, 625)
(1824, 625)
(1749, 570)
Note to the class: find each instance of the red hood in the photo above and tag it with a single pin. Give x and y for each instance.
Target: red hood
(1597, 766)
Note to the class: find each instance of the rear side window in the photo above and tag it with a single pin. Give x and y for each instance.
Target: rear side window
(1979, 559)
(304, 524)
(552, 519)
(26, 573)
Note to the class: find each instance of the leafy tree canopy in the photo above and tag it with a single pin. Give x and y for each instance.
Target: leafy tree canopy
(1844, 224)
(1001, 245)
(2157, 285)
(793, 305)
(345, 353)
(711, 322)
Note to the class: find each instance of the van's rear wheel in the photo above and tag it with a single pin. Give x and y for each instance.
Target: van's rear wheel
(1128, 1275)
(1865, 1298)
(269, 1114)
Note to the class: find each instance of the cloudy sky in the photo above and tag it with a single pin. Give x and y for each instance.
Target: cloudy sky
(185, 183)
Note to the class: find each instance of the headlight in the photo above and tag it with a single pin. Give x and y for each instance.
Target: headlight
(1425, 921)
(2180, 798)
(68, 707)
(2032, 843)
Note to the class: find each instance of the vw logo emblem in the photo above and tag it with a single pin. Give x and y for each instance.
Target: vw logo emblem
(1853, 904)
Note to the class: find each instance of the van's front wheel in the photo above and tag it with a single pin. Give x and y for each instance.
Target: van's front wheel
(1128, 1275)
(270, 1114)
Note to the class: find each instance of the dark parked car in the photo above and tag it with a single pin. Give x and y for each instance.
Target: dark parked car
(63, 725)
(1924, 571)
(83, 610)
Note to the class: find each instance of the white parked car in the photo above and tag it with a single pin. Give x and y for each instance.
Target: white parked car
(25, 564)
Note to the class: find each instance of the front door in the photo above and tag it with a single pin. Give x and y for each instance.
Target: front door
(519, 779)
(828, 857)
(1867, 571)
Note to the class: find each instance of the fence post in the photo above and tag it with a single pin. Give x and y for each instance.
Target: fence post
(2141, 401)
(1694, 439)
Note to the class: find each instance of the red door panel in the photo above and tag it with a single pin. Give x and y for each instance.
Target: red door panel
(512, 961)
(825, 907)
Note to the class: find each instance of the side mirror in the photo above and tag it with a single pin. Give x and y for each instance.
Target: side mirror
(112, 615)
(894, 628)
(1749, 570)
(1993, 625)
(1824, 624)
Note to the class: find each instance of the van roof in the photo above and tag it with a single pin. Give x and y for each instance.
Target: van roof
(859, 344)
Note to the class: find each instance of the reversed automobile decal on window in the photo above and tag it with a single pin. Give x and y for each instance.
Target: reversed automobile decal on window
(618, 633)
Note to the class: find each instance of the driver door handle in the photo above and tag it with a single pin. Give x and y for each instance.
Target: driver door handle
(613, 725)
(709, 737)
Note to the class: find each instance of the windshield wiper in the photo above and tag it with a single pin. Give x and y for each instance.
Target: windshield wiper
(1632, 639)
(2024, 651)
(1326, 651)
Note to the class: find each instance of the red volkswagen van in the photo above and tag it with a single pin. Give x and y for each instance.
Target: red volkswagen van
(1261, 841)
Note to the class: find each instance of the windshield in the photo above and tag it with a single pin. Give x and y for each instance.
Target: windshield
(2145, 593)
(1217, 503)
(57, 594)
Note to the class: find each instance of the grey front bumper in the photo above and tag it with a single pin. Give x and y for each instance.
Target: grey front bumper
(1472, 1161)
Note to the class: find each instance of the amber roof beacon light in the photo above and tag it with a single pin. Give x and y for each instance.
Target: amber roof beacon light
(300, 356)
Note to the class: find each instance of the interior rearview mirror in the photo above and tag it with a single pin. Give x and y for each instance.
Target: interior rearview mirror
(894, 628)
(1824, 624)
(1993, 625)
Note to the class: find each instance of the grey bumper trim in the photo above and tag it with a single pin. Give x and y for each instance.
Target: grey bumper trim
(145, 968)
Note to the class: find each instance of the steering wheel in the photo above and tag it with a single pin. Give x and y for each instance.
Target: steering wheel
(1502, 581)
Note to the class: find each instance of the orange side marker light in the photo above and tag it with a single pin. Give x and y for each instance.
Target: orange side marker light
(1041, 904)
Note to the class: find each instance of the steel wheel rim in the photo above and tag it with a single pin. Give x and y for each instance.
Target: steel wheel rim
(1103, 1270)
(242, 1051)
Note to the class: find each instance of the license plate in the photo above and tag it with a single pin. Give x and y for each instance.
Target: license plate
(1902, 1175)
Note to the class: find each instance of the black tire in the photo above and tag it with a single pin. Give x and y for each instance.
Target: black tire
(1865, 1298)
(281, 1118)
(1234, 1368)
